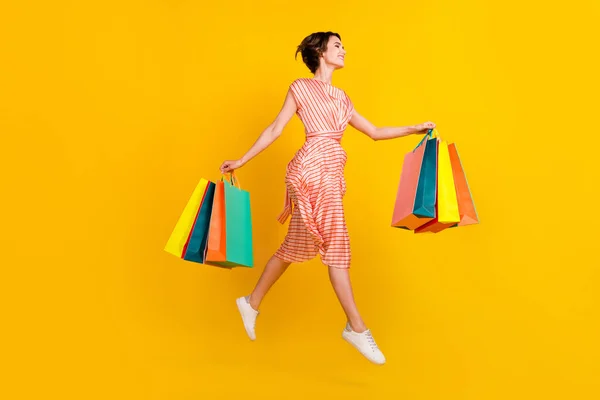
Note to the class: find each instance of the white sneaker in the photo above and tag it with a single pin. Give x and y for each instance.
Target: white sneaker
(365, 344)
(248, 314)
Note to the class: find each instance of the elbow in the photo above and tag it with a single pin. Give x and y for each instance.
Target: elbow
(275, 133)
(373, 133)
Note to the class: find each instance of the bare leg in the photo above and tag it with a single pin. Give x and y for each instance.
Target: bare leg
(340, 279)
(272, 272)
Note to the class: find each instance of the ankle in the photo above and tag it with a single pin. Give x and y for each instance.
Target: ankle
(254, 302)
(357, 326)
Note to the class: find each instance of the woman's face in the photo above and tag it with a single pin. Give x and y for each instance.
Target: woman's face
(335, 52)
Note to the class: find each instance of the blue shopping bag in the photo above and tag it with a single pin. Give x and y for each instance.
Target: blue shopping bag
(197, 241)
(426, 188)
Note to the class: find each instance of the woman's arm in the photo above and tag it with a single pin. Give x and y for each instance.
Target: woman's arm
(267, 137)
(361, 124)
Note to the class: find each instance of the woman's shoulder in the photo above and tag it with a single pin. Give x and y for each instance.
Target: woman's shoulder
(310, 83)
(299, 82)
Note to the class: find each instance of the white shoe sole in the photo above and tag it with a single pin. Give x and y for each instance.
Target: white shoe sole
(238, 302)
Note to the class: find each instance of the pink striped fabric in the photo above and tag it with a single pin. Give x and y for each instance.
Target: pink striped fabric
(315, 184)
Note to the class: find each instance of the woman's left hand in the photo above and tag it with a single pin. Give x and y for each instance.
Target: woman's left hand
(425, 126)
(230, 165)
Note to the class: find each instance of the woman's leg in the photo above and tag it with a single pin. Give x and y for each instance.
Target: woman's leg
(357, 334)
(340, 280)
(272, 272)
(248, 305)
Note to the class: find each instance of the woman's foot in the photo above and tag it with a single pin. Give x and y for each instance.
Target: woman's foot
(365, 344)
(248, 314)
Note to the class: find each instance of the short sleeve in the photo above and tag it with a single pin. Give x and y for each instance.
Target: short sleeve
(349, 105)
(295, 89)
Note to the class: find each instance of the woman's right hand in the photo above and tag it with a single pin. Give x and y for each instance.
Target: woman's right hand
(230, 165)
(425, 127)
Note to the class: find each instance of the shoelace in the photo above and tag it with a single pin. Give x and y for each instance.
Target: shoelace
(371, 341)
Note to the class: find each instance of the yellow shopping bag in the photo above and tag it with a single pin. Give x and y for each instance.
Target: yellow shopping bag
(446, 205)
(178, 240)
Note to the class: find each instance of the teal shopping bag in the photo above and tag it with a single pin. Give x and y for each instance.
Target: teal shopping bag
(426, 188)
(199, 234)
(238, 219)
(230, 241)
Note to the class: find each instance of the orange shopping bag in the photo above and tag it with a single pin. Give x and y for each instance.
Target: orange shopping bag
(216, 250)
(466, 205)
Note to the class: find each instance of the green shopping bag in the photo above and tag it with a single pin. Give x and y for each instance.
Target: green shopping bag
(234, 225)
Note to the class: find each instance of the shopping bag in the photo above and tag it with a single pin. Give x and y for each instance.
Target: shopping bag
(466, 205)
(215, 250)
(230, 241)
(178, 239)
(239, 226)
(427, 186)
(403, 216)
(195, 248)
(446, 206)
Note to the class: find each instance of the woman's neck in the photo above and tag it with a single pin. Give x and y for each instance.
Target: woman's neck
(324, 74)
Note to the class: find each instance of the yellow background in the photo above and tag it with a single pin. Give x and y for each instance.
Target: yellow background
(110, 112)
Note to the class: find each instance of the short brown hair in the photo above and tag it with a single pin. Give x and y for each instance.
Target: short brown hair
(313, 46)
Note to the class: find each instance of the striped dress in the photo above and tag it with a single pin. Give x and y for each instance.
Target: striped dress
(315, 184)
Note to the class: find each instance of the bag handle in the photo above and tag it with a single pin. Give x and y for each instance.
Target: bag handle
(232, 179)
(431, 133)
